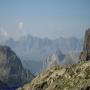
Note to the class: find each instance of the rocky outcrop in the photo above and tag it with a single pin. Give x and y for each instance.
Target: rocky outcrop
(11, 70)
(58, 58)
(53, 59)
(72, 77)
(85, 54)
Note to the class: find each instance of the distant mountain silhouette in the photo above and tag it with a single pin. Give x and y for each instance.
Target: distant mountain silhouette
(34, 49)
(58, 58)
(54, 59)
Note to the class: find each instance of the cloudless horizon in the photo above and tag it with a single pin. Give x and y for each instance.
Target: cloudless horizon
(44, 18)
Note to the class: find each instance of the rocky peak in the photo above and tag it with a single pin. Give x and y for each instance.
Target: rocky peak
(85, 54)
(59, 54)
(87, 40)
(54, 59)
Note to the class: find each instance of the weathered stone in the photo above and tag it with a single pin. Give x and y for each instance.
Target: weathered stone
(85, 55)
(12, 71)
(73, 77)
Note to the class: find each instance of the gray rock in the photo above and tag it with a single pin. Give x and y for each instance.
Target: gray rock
(11, 70)
(85, 54)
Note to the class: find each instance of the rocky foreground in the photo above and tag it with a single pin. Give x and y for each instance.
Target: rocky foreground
(72, 77)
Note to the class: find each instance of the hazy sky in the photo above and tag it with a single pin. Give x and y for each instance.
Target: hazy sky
(44, 18)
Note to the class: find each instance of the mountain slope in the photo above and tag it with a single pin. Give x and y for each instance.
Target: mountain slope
(11, 70)
(73, 77)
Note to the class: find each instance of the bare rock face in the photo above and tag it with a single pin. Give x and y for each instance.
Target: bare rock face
(85, 54)
(11, 70)
(53, 59)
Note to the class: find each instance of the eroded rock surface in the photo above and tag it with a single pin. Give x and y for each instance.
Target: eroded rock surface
(73, 77)
(85, 54)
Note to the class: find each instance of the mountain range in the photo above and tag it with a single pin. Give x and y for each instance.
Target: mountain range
(34, 50)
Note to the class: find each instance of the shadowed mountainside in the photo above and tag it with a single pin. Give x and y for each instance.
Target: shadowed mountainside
(11, 70)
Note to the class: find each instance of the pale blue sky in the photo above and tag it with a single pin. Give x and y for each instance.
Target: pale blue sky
(44, 18)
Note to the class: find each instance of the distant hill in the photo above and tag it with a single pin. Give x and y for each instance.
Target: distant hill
(54, 59)
(12, 72)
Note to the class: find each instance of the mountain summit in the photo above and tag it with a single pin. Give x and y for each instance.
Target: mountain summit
(54, 59)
